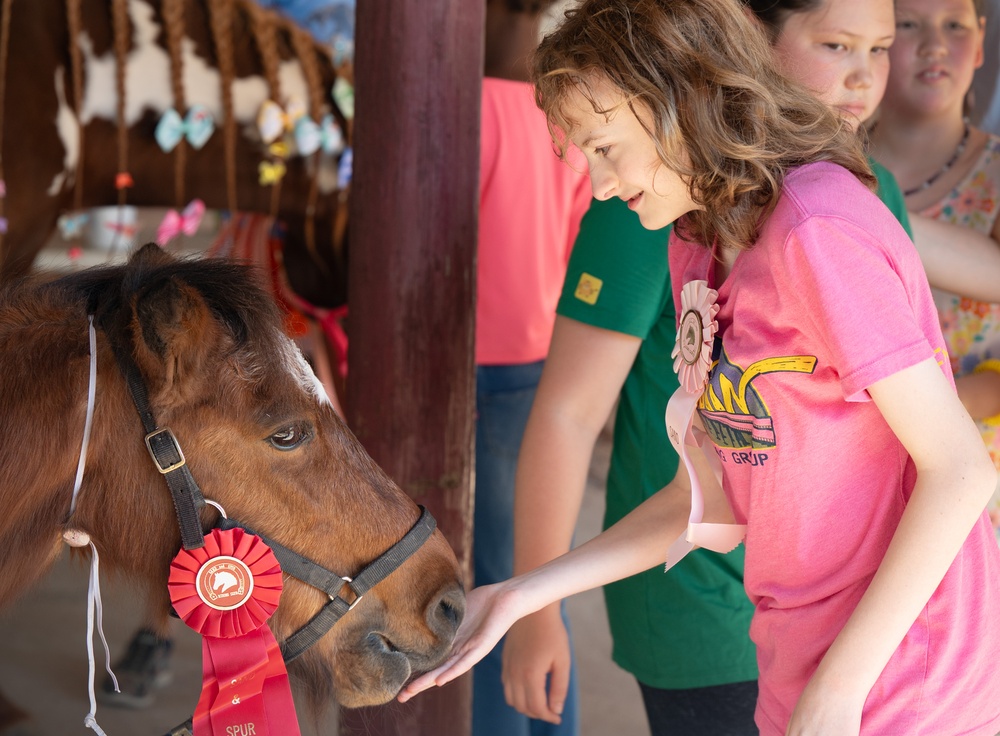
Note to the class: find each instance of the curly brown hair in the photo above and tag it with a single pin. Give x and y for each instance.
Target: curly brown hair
(723, 117)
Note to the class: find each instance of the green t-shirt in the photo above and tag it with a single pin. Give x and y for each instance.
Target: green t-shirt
(687, 628)
(891, 195)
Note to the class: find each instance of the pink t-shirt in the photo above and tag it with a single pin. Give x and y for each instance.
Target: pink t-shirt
(530, 207)
(832, 299)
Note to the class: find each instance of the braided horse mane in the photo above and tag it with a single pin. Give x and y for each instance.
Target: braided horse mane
(93, 79)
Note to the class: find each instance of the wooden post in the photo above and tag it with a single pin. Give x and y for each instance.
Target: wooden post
(412, 276)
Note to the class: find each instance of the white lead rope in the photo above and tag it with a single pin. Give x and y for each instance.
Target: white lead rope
(88, 423)
(77, 538)
(94, 606)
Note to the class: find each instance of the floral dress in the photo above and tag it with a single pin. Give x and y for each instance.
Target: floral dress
(971, 328)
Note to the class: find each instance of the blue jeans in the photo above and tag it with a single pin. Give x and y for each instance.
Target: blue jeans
(504, 394)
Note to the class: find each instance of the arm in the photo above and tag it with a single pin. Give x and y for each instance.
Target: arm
(958, 259)
(955, 479)
(636, 543)
(583, 375)
(980, 393)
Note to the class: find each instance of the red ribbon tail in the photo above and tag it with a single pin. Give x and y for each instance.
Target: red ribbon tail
(245, 688)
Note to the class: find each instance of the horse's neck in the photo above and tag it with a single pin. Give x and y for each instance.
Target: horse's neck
(44, 374)
(41, 421)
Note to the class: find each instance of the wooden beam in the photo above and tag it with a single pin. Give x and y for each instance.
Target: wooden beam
(412, 276)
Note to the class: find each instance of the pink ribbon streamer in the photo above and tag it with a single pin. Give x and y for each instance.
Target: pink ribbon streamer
(716, 537)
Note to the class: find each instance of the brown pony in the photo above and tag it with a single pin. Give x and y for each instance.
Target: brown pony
(228, 56)
(260, 438)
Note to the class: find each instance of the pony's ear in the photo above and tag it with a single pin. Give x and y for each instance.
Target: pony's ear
(174, 333)
(148, 256)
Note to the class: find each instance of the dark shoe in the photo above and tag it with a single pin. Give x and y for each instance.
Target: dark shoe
(144, 669)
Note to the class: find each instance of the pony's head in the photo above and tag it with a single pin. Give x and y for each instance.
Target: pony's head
(263, 441)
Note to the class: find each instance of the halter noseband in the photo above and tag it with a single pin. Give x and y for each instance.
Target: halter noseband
(188, 499)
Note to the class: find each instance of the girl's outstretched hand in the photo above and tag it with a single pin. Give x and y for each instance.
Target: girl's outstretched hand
(489, 611)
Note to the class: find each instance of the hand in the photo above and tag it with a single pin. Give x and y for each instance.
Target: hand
(489, 611)
(536, 650)
(826, 711)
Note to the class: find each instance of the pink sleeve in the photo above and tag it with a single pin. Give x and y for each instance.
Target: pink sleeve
(861, 297)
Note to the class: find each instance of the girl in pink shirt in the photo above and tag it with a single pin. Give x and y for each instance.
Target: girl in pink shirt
(810, 349)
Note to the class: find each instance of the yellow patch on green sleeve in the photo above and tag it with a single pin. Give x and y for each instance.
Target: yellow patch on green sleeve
(588, 288)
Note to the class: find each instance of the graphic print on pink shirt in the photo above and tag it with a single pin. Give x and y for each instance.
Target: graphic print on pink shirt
(734, 414)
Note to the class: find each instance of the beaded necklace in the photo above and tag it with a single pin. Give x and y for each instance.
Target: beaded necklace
(959, 150)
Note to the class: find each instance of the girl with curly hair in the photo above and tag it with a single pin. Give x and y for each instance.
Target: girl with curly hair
(814, 371)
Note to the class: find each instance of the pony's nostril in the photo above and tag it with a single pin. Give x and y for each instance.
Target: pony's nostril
(448, 612)
(381, 643)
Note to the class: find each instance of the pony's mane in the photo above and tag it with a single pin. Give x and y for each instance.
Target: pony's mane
(231, 290)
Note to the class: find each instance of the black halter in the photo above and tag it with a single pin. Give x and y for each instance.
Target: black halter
(188, 499)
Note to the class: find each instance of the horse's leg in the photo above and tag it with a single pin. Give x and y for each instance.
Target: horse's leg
(35, 197)
(23, 244)
(36, 118)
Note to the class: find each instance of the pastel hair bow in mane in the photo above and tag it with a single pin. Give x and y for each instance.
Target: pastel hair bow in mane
(175, 223)
(345, 169)
(270, 173)
(273, 121)
(343, 95)
(310, 136)
(197, 127)
(71, 224)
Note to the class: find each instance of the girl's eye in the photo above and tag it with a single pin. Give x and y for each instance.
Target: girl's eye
(835, 46)
(905, 25)
(602, 151)
(290, 437)
(878, 50)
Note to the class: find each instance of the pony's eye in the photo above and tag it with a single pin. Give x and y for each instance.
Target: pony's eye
(290, 437)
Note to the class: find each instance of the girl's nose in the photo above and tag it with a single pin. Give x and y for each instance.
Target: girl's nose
(861, 75)
(603, 183)
(932, 43)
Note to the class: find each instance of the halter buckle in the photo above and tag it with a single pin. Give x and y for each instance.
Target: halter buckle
(357, 598)
(160, 441)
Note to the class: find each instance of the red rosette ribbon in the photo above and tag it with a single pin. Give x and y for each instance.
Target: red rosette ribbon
(226, 591)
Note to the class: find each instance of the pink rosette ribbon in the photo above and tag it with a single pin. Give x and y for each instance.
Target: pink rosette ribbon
(175, 223)
(692, 356)
(226, 591)
(692, 352)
